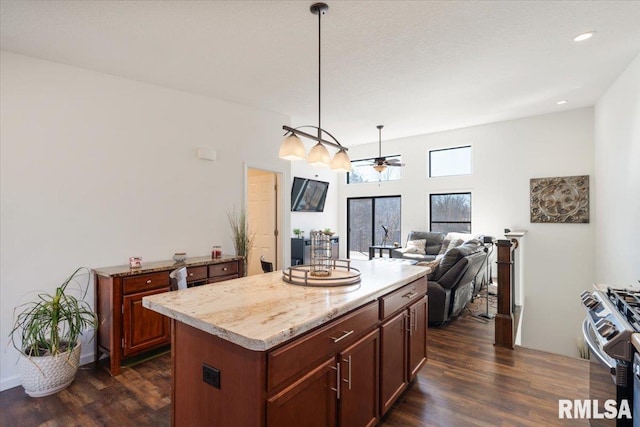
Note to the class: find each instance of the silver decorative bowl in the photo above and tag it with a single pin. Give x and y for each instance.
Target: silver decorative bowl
(180, 256)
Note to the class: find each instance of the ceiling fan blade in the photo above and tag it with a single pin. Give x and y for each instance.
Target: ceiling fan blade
(390, 161)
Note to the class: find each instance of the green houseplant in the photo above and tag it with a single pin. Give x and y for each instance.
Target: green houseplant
(242, 237)
(47, 333)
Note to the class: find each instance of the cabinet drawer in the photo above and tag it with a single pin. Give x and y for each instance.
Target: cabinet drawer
(223, 269)
(305, 351)
(196, 273)
(145, 282)
(400, 298)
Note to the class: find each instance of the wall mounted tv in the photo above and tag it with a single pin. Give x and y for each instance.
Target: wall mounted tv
(308, 195)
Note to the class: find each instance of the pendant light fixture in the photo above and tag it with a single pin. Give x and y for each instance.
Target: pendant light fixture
(292, 147)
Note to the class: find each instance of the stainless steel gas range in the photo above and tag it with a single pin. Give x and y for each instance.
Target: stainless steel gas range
(612, 319)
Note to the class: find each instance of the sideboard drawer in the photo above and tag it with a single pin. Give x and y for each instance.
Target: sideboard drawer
(300, 355)
(400, 298)
(196, 273)
(223, 269)
(145, 282)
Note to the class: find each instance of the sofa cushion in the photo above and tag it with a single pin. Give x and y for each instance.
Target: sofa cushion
(433, 240)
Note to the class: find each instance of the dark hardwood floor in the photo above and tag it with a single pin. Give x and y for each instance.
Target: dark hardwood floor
(466, 382)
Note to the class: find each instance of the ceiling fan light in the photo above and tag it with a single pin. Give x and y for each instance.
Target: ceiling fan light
(292, 148)
(341, 162)
(319, 156)
(380, 168)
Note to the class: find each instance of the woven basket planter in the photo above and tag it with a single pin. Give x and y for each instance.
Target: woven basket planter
(46, 375)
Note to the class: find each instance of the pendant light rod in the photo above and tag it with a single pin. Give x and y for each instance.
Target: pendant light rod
(319, 9)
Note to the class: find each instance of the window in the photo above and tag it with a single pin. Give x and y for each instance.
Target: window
(450, 212)
(365, 218)
(450, 161)
(362, 171)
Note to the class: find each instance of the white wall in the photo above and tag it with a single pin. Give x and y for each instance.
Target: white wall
(96, 168)
(617, 189)
(506, 155)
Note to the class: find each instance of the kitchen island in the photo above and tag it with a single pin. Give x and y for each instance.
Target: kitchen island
(258, 351)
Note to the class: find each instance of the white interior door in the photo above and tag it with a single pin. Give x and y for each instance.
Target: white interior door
(262, 216)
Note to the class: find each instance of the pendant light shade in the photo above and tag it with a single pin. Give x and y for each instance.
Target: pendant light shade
(341, 162)
(319, 156)
(292, 148)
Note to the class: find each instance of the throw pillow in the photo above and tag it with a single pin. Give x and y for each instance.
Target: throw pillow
(415, 246)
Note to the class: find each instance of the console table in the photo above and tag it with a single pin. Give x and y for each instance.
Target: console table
(127, 329)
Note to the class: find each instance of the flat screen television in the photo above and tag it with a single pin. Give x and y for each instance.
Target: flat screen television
(308, 195)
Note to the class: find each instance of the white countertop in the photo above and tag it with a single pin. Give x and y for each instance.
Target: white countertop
(262, 311)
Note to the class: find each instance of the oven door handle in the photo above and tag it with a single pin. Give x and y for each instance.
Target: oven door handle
(595, 349)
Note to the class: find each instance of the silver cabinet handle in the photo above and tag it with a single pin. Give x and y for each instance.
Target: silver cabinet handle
(337, 389)
(344, 335)
(414, 320)
(407, 320)
(148, 281)
(190, 274)
(348, 380)
(410, 295)
(224, 269)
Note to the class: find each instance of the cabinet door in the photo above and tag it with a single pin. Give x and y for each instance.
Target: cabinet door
(310, 401)
(142, 328)
(358, 405)
(417, 336)
(393, 360)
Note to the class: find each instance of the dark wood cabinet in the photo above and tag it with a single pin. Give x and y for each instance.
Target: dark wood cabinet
(358, 405)
(143, 329)
(393, 360)
(417, 341)
(125, 327)
(403, 340)
(310, 401)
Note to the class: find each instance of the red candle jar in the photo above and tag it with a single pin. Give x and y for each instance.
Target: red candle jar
(216, 252)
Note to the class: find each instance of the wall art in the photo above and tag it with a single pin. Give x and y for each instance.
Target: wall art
(560, 200)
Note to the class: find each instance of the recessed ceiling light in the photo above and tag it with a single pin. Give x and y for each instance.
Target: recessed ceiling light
(584, 36)
(564, 101)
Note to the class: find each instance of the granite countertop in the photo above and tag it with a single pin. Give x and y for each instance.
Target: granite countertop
(150, 267)
(259, 312)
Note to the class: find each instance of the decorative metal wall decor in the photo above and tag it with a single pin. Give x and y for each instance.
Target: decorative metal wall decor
(560, 199)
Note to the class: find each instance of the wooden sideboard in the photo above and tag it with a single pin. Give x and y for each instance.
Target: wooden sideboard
(125, 327)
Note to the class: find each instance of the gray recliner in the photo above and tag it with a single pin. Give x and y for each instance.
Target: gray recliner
(453, 284)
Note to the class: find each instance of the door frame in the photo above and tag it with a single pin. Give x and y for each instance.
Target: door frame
(283, 249)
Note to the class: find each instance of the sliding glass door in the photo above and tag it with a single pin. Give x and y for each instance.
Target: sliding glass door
(369, 219)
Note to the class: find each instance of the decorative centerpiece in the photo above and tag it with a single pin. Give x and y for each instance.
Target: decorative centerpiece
(320, 253)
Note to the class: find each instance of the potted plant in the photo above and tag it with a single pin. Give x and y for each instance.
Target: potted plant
(242, 238)
(47, 333)
(297, 232)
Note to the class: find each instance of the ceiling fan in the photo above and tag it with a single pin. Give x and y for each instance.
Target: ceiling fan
(380, 163)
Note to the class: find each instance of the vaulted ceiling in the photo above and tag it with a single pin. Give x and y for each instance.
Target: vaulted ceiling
(415, 66)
